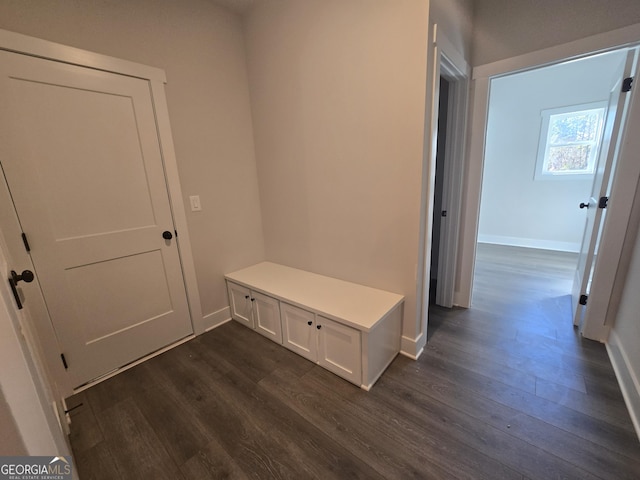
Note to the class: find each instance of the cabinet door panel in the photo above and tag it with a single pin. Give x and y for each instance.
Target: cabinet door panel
(267, 316)
(339, 349)
(299, 331)
(240, 302)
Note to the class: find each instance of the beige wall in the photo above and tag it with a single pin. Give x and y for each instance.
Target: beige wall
(455, 19)
(201, 48)
(338, 99)
(507, 28)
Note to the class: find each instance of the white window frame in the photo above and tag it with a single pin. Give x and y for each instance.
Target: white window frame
(543, 144)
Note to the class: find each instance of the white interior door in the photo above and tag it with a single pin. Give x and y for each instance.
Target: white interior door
(80, 153)
(605, 167)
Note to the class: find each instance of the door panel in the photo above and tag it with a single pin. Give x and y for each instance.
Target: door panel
(601, 187)
(143, 297)
(299, 331)
(85, 134)
(81, 156)
(267, 316)
(339, 349)
(241, 305)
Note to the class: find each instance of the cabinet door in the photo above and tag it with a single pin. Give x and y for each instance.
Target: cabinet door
(339, 349)
(299, 331)
(267, 316)
(240, 303)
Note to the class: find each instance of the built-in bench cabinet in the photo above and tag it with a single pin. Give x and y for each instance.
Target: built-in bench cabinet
(351, 330)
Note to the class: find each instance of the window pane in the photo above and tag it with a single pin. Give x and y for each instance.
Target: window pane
(568, 159)
(575, 126)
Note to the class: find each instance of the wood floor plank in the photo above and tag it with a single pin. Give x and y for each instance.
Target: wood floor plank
(612, 411)
(357, 437)
(511, 354)
(293, 447)
(304, 443)
(502, 447)
(555, 441)
(96, 463)
(212, 462)
(235, 431)
(585, 426)
(400, 449)
(496, 371)
(182, 435)
(137, 451)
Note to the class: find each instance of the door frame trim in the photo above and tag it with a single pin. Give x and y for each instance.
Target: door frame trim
(612, 40)
(31, 46)
(456, 71)
(441, 53)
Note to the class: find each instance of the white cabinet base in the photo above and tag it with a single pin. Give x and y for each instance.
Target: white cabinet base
(351, 330)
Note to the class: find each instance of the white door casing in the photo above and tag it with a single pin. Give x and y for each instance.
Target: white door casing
(604, 171)
(608, 41)
(455, 70)
(83, 163)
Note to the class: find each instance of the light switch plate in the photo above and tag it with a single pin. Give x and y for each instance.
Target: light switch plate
(195, 203)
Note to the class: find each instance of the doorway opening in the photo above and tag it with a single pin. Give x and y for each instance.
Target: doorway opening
(546, 149)
(452, 91)
(439, 214)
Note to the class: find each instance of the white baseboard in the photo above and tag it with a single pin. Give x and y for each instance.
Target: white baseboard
(412, 348)
(627, 378)
(215, 319)
(530, 243)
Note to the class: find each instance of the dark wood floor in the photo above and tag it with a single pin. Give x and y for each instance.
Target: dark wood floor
(504, 390)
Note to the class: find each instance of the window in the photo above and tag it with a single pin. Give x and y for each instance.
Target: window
(569, 141)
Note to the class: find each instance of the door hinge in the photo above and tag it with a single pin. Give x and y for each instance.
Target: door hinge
(583, 299)
(602, 203)
(64, 361)
(26, 242)
(626, 84)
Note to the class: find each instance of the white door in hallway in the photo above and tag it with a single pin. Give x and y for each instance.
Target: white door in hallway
(605, 168)
(80, 153)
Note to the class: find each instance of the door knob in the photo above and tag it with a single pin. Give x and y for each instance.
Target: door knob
(584, 205)
(26, 276)
(167, 235)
